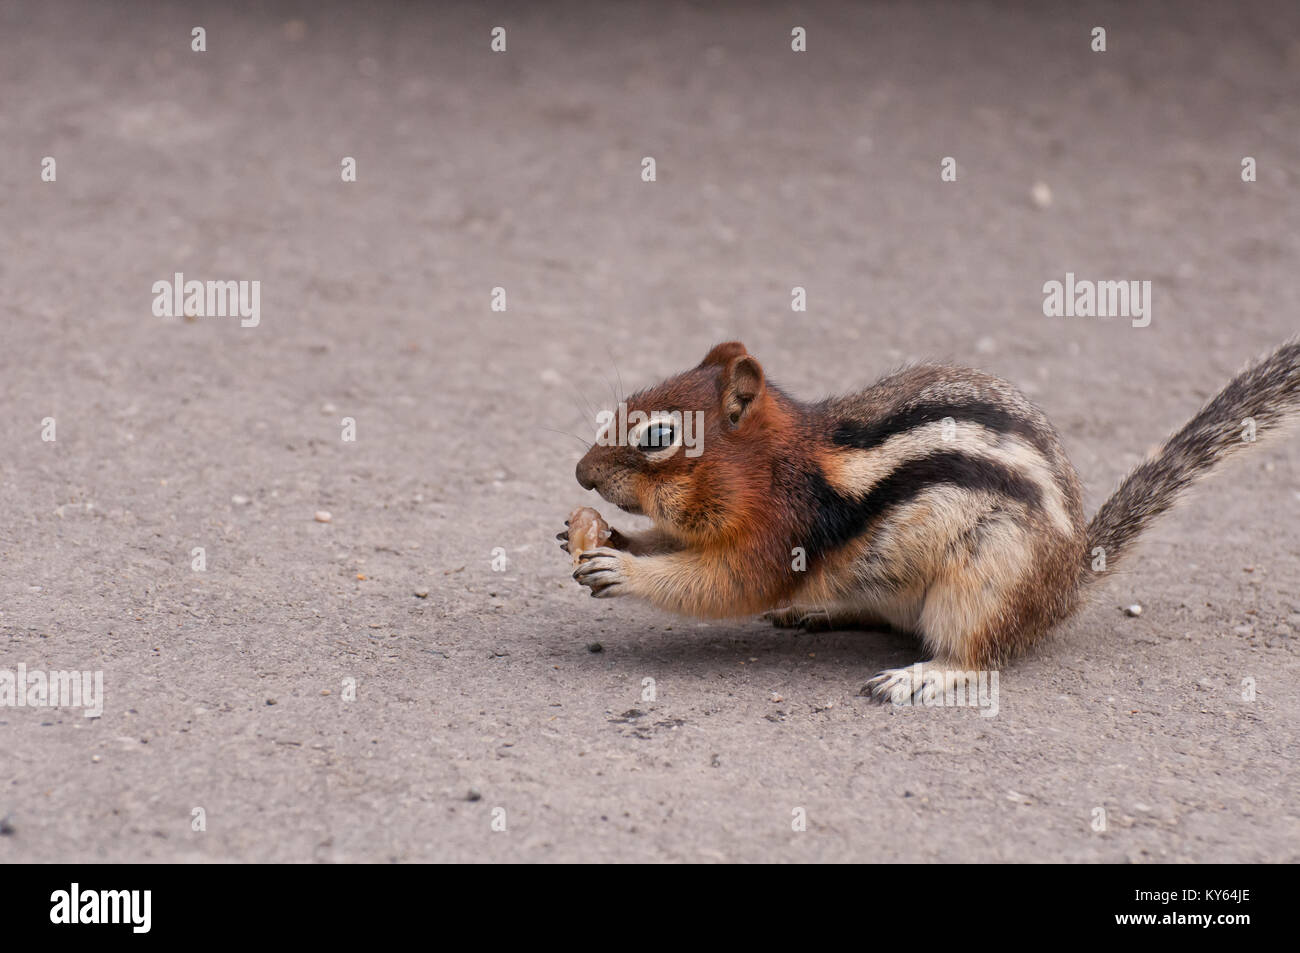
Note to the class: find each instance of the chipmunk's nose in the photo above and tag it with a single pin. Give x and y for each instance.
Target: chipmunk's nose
(586, 474)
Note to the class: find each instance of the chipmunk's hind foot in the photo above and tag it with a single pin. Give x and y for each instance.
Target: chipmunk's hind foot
(919, 684)
(799, 617)
(897, 685)
(812, 619)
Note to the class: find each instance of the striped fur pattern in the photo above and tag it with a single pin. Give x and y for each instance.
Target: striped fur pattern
(939, 502)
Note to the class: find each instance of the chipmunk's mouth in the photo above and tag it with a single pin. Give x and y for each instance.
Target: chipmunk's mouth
(613, 488)
(627, 506)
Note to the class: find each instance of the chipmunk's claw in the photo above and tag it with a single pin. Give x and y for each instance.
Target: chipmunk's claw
(601, 570)
(918, 684)
(895, 685)
(795, 617)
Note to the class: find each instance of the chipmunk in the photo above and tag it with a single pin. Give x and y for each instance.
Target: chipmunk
(938, 502)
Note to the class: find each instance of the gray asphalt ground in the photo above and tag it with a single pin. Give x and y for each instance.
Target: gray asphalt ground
(224, 689)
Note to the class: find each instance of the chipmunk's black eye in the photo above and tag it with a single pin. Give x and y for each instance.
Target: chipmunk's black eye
(656, 437)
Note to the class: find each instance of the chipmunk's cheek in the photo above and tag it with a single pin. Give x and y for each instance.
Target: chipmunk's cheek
(665, 501)
(623, 494)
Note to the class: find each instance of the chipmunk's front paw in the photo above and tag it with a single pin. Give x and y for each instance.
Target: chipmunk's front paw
(604, 572)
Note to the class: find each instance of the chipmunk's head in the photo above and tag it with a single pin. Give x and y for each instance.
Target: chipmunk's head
(692, 452)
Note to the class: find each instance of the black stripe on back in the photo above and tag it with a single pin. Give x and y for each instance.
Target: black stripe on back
(838, 519)
(867, 436)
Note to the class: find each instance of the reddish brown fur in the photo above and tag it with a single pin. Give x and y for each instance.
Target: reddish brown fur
(720, 504)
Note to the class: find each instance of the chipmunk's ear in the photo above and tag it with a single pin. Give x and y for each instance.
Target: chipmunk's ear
(723, 353)
(742, 384)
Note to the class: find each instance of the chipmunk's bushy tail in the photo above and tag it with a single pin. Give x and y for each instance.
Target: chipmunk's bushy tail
(1267, 392)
